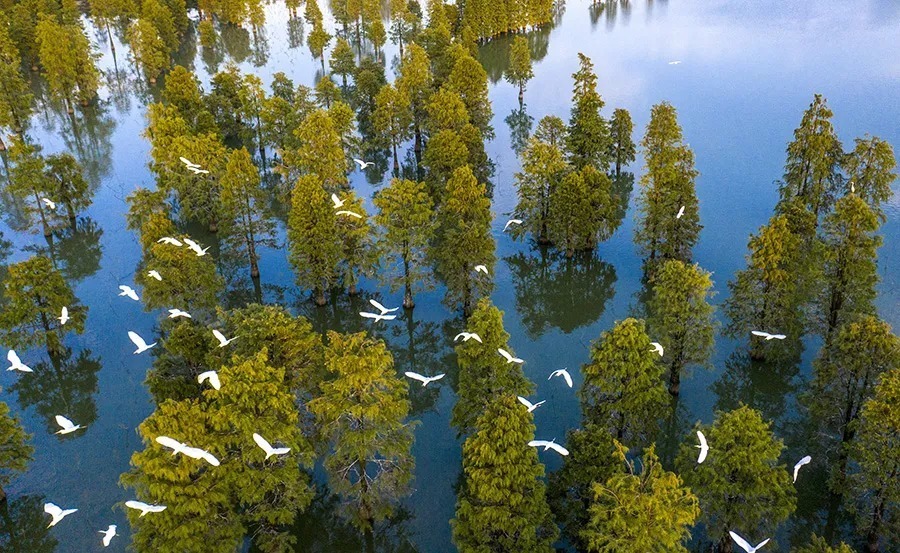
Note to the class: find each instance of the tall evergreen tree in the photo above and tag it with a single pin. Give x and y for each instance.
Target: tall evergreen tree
(315, 245)
(16, 451)
(358, 256)
(622, 147)
(343, 60)
(392, 119)
(543, 167)
(588, 141)
(67, 185)
(870, 171)
(15, 99)
(26, 183)
(519, 71)
(244, 202)
(415, 81)
(68, 62)
(469, 79)
(319, 151)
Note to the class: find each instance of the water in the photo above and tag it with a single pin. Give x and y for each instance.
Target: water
(748, 71)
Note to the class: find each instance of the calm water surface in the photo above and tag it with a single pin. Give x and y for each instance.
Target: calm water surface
(747, 71)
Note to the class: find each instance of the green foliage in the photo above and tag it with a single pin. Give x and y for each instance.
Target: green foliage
(485, 376)
(27, 183)
(414, 79)
(68, 61)
(588, 141)
(67, 185)
(680, 316)
(633, 512)
(623, 391)
(502, 506)
(318, 40)
(162, 20)
(283, 111)
(343, 60)
(622, 147)
(16, 452)
(182, 92)
(740, 484)
(188, 282)
(469, 79)
(392, 119)
(362, 409)
(358, 256)
(519, 71)
(244, 200)
(315, 245)
(319, 151)
(224, 102)
(15, 99)
(543, 167)
(488, 19)
(819, 545)
(35, 293)
(870, 170)
(580, 210)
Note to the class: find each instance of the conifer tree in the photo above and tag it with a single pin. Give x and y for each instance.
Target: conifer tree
(315, 246)
(318, 40)
(319, 151)
(244, 202)
(640, 512)
(740, 484)
(870, 171)
(67, 186)
(188, 281)
(519, 71)
(406, 219)
(622, 147)
(362, 410)
(199, 195)
(469, 79)
(580, 210)
(464, 240)
(404, 22)
(415, 81)
(68, 62)
(182, 91)
(588, 141)
(392, 119)
(623, 391)
(162, 20)
(819, 545)
(543, 167)
(16, 451)
(343, 60)
(502, 506)
(15, 99)
(27, 184)
(358, 256)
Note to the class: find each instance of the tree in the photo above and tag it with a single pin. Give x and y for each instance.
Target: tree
(469, 79)
(875, 488)
(16, 452)
(318, 40)
(182, 91)
(319, 151)
(580, 210)
(15, 99)
(244, 201)
(35, 293)
(740, 485)
(870, 171)
(188, 282)
(392, 119)
(622, 148)
(362, 410)
(588, 141)
(633, 512)
(485, 376)
(406, 219)
(519, 71)
(315, 246)
(464, 240)
(162, 19)
(67, 185)
(844, 376)
(27, 182)
(623, 391)
(65, 54)
(343, 60)
(405, 22)
(819, 545)
(543, 166)
(415, 80)
(680, 317)
(357, 254)
(148, 48)
(502, 506)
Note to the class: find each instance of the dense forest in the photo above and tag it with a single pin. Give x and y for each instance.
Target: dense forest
(268, 416)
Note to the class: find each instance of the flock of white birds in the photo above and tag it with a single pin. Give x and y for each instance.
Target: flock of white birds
(384, 314)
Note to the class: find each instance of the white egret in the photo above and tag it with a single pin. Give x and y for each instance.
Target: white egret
(184, 449)
(703, 447)
(144, 508)
(175, 313)
(680, 213)
(674, 62)
(336, 201)
(63, 315)
(466, 336)
(198, 171)
(746, 546)
(350, 213)
(195, 247)
(563, 373)
(57, 513)
(129, 292)
(363, 164)
(139, 342)
(154, 274)
(187, 162)
(549, 445)
(657, 347)
(169, 240)
(267, 447)
(482, 269)
(376, 316)
(425, 380)
(213, 378)
(16, 363)
(108, 534)
(67, 426)
(223, 341)
(512, 222)
(508, 356)
(768, 336)
(384, 310)
(171, 443)
(531, 406)
(49, 203)
(804, 461)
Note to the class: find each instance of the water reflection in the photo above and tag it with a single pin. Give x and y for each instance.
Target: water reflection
(75, 250)
(23, 526)
(611, 10)
(494, 55)
(763, 385)
(520, 124)
(417, 346)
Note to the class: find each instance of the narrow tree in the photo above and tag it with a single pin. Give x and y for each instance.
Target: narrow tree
(16, 451)
(580, 210)
(392, 119)
(65, 54)
(244, 201)
(318, 40)
(622, 147)
(519, 71)
(67, 185)
(588, 141)
(319, 151)
(15, 99)
(148, 48)
(870, 171)
(358, 257)
(315, 247)
(543, 166)
(27, 183)
(469, 79)
(415, 80)
(343, 60)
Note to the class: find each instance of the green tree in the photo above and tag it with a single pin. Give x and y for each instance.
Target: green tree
(740, 485)
(819, 545)
(588, 141)
(502, 506)
(358, 256)
(623, 391)
(519, 71)
(469, 79)
(415, 80)
(244, 201)
(188, 282)
(543, 167)
(182, 91)
(35, 293)
(875, 488)
(622, 147)
(319, 151)
(680, 317)
(67, 185)
(343, 60)
(485, 376)
(392, 119)
(16, 452)
(464, 240)
(318, 40)
(315, 245)
(15, 99)
(580, 210)
(27, 182)
(870, 171)
(363, 410)
(405, 22)
(68, 62)
(649, 511)
(406, 221)
(161, 18)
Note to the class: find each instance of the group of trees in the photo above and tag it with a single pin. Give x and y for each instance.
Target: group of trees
(488, 19)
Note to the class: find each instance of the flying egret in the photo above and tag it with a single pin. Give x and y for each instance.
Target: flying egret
(384, 310)
(195, 247)
(377, 317)
(144, 508)
(108, 534)
(531, 406)
(746, 546)
(129, 292)
(549, 445)
(508, 356)
(363, 164)
(184, 449)
(63, 315)
(223, 341)
(767, 336)
(674, 62)
(16, 363)
(170, 241)
(139, 342)
(171, 443)
(512, 222)
(67, 426)
(804, 461)
(350, 213)
(267, 447)
(563, 373)
(680, 213)
(425, 380)
(198, 171)
(336, 201)
(466, 336)
(657, 347)
(49, 203)
(213, 378)
(154, 274)
(187, 162)
(57, 513)
(703, 447)
(481, 268)
(175, 313)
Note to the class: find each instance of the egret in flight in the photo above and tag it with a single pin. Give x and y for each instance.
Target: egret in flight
(466, 336)
(175, 313)
(57, 513)
(657, 347)
(195, 247)
(425, 380)
(563, 373)
(187, 162)
(530, 406)
(767, 336)
(384, 310)
(267, 447)
(512, 222)
(349, 213)
(482, 269)
(680, 213)
(363, 164)
(66, 426)
(376, 316)
(336, 201)
(49, 203)
(184, 449)
(508, 356)
(108, 534)
(804, 461)
(223, 341)
(144, 508)
(198, 171)
(703, 447)
(549, 445)
(154, 274)
(213, 378)
(139, 342)
(674, 62)
(746, 546)
(15, 364)
(129, 292)
(170, 241)
(63, 316)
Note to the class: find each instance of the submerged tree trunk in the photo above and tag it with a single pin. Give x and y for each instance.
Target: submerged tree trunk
(407, 294)
(320, 296)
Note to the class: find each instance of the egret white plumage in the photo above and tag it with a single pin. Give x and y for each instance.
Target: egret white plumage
(674, 62)
(804, 461)
(154, 274)
(530, 406)
(509, 357)
(128, 291)
(549, 445)
(57, 513)
(680, 213)
(657, 347)
(108, 534)
(745, 545)
(563, 373)
(267, 447)
(175, 313)
(171, 443)
(466, 336)
(223, 341)
(66, 426)
(481, 269)
(184, 449)
(425, 380)
(16, 363)
(336, 201)
(350, 213)
(49, 203)
(213, 378)
(512, 222)
(384, 310)
(170, 241)
(195, 247)
(144, 508)
(363, 164)
(187, 162)
(703, 447)
(768, 336)
(63, 315)
(376, 316)
(139, 342)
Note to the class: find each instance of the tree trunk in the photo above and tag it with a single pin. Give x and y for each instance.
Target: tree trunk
(3, 148)
(521, 95)
(674, 380)
(872, 536)
(320, 296)
(407, 294)
(112, 45)
(396, 160)
(618, 167)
